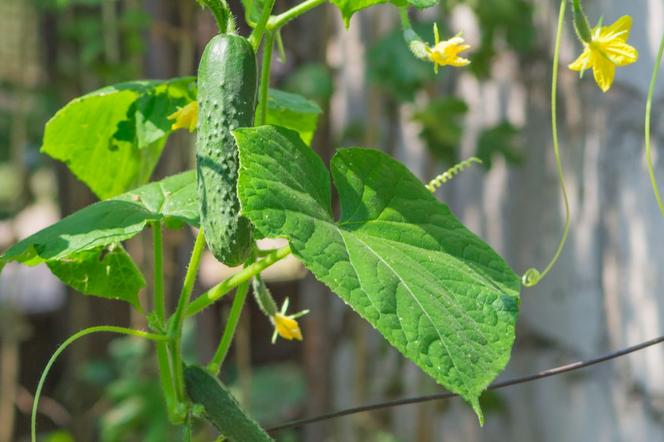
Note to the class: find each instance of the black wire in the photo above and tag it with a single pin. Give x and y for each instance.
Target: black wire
(432, 397)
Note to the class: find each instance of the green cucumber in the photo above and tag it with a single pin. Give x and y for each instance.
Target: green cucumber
(227, 82)
(221, 408)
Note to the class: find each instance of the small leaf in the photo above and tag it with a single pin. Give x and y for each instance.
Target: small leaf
(501, 139)
(111, 221)
(441, 122)
(350, 7)
(107, 272)
(221, 408)
(294, 112)
(111, 139)
(253, 10)
(397, 256)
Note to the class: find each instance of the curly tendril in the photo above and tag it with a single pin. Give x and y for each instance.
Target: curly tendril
(651, 93)
(451, 173)
(533, 276)
(64, 345)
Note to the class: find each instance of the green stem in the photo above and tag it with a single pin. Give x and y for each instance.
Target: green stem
(229, 330)
(261, 112)
(217, 292)
(651, 94)
(158, 252)
(176, 322)
(64, 345)
(222, 14)
(417, 46)
(532, 276)
(257, 34)
(275, 23)
(165, 373)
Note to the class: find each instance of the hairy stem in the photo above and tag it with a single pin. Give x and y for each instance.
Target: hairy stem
(229, 330)
(163, 360)
(217, 292)
(257, 34)
(532, 276)
(275, 23)
(64, 345)
(264, 87)
(651, 94)
(176, 322)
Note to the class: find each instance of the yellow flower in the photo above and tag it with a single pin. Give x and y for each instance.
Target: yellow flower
(286, 326)
(185, 117)
(446, 53)
(607, 50)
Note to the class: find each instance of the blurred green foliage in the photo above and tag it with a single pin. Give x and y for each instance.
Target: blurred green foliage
(442, 127)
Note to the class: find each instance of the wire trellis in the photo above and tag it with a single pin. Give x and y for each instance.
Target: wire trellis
(433, 397)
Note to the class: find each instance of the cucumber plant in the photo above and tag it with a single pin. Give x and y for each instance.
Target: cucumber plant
(397, 256)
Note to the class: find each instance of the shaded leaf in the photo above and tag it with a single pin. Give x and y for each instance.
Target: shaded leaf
(397, 256)
(294, 112)
(107, 272)
(111, 139)
(111, 221)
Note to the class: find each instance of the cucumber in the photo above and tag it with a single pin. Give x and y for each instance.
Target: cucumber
(221, 408)
(227, 83)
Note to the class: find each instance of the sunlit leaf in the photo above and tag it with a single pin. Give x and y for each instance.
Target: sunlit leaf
(397, 256)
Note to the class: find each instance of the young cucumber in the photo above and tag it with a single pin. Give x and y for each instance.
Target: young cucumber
(221, 408)
(227, 79)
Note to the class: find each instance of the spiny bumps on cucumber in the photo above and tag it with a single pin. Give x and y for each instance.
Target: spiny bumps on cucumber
(227, 81)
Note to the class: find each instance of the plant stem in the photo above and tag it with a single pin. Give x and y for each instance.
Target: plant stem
(176, 322)
(229, 330)
(165, 372)
(158, 255)
(532, 276)
(217, 292)
(275, 23)
(261, 112)
(64, 345)
(651, 93)
(221, 14)
(257, 34)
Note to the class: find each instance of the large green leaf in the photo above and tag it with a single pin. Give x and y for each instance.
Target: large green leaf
(107, 272)
(111, 221)
(397, 256)
(111, 139)
(294, 112)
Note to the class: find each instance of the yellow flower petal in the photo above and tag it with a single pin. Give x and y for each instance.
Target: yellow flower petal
(621, 54)
(287, 327)
(619, 30)
(582, 63)
(446, 53)
(185, 117)
(604, 71)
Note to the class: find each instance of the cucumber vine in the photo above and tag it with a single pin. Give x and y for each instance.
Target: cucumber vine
(397, 255)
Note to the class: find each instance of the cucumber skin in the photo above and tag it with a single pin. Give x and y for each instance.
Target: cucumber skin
(227, 85)
(221, 408)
